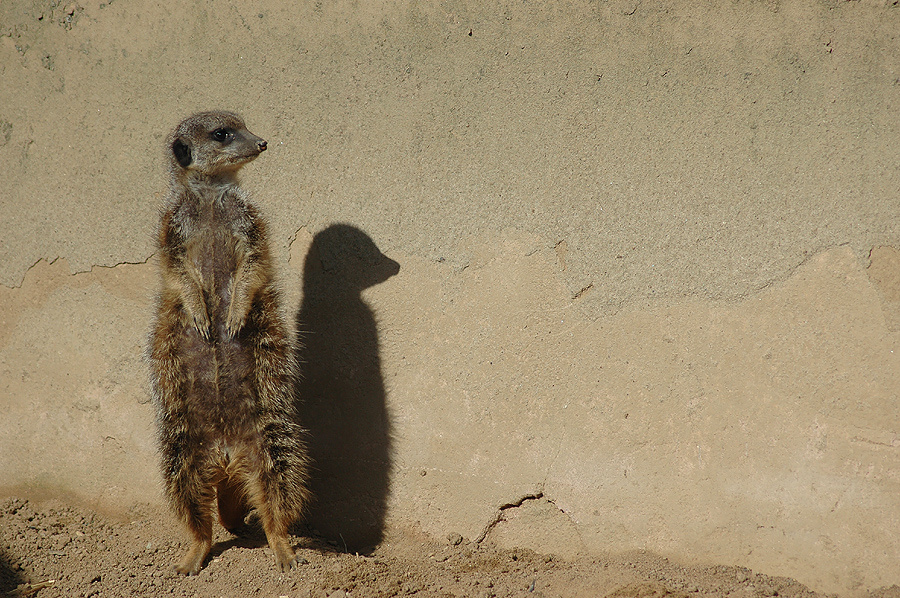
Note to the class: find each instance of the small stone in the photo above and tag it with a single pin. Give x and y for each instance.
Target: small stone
(454, 538)
(61, 541)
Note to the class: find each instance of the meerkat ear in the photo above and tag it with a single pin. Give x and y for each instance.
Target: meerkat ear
(182, 153)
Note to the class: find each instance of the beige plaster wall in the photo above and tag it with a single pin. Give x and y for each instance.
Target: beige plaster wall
(648, 261)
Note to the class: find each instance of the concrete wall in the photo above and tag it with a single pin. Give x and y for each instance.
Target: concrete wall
(580, 276)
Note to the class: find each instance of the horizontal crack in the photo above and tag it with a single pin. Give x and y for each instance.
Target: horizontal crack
(90, 270)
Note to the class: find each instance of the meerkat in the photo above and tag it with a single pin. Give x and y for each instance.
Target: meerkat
(223, 363)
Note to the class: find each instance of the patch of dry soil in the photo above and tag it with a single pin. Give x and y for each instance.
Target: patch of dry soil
(54, 550)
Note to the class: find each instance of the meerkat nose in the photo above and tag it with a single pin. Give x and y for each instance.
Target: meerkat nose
(261, 145)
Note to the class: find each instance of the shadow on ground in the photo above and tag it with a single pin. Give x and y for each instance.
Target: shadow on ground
(342, 395)
(10, 577)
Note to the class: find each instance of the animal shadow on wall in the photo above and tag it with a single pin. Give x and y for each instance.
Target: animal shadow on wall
(342, 395)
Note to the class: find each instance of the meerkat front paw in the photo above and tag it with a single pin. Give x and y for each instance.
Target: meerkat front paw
(233, 325)
(201, 323)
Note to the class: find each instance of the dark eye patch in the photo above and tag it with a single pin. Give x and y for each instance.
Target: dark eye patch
(182, 153)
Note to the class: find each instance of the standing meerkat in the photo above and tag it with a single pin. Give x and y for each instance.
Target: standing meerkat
(223, 364)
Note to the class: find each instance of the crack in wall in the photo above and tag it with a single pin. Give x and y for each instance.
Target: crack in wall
(48, 261)
(538, 495)
(90, 270)
(498, 517)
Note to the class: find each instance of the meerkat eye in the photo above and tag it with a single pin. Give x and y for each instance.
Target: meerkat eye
(223, 135)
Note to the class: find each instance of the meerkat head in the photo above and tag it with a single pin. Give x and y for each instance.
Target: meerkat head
(212, 144)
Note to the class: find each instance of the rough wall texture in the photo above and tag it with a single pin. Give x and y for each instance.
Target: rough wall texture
(608, 275)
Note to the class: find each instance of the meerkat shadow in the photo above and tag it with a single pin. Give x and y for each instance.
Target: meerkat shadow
(10, 577)
(250, 535)
(342, 394)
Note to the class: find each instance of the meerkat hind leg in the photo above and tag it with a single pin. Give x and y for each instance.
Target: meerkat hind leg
(275, 526)
(201, 530)
(277, 536)
(285, 557)
(191, 490)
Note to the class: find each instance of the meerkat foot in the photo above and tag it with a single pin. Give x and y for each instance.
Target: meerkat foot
(193, 560)
(285, 557)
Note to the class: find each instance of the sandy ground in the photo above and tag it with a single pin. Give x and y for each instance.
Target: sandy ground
(56, 550)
